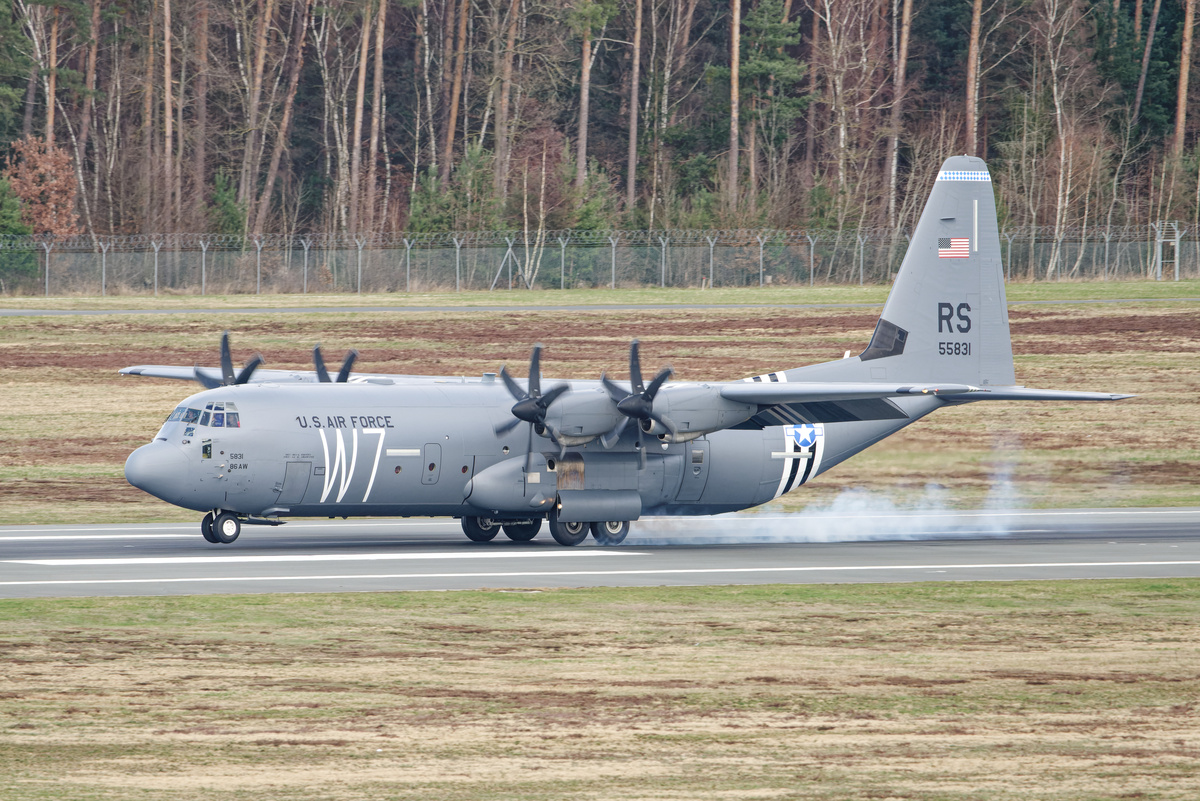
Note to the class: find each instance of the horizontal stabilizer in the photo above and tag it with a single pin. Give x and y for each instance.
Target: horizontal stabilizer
(1029, 394)
(769, 394)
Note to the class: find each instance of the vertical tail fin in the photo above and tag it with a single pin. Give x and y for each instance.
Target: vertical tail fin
(946, 318)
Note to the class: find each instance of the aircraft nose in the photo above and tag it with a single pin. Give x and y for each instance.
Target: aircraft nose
(158, 468)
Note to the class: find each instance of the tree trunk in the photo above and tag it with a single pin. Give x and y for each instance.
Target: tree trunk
(376, 115)
(1141, 87)
(634, 85)
(585, 85)
(897, 111)
(735, 57)
(503, 144)
(295, 65)
(253, 133)
(51, 92)
(455, 90)
(89, 81)
(1185, 66)
(973, 78)
(356, 137)
(810, 121)
(199, 180)
(168, 117)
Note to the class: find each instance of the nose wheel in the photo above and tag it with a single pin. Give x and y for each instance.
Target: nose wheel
(220, 527)
(206, 528)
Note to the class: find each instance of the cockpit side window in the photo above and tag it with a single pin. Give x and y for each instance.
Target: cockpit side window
(190, 415)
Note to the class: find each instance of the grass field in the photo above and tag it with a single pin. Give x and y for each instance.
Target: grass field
(1062, 691)
(68, 420)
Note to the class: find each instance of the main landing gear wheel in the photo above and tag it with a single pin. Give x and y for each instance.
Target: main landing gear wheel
(227, 527)
(206, 528)
(610, 532)
(523, 532)
(567, 533)
(480, 529)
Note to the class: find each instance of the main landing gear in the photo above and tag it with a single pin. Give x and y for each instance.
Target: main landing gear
(606, 532)
(220, 527)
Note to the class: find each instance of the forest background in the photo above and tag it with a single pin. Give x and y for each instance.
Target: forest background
(288, 116)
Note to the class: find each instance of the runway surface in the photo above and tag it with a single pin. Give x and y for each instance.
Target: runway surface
(405, 555)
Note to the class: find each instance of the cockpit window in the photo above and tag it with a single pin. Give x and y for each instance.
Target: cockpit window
(219, 415)
(218, 420)
(183, 414)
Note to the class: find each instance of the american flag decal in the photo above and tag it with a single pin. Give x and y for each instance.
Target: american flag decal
(958, 247)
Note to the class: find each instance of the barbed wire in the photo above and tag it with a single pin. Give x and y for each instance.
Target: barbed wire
(724, 237)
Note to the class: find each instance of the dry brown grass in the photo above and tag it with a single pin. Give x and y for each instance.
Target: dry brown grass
(1074, 690)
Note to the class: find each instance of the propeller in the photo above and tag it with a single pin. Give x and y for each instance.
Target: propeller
(323, 375)
(531, 404)
(638, 402)
(228, 377)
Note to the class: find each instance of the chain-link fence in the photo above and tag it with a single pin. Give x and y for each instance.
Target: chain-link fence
(201, 264)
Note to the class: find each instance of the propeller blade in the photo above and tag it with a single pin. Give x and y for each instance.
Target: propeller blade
(255, 361)
(204, 379)
(611, 438)
(535, 371)
(319, 363)
(551, 396)
(662, 376)
(635, 369)
(615, 392)
(529, 451)
(226, 361)
(514, 388)
(504, 428)
(666, 422)
(344, 374)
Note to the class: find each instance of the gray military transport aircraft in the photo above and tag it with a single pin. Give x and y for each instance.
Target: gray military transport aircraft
(261, 445)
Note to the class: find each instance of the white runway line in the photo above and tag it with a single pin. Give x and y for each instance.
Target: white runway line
(576, 573)
(74, 537)
(340, 557)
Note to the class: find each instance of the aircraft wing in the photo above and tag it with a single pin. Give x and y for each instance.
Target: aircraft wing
(189, 374)
(783, 403)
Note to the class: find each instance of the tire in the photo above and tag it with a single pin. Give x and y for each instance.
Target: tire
(480, 529)
(227, 527)
(206, 528)
(567, 533)
(610, 532)
(523, 532)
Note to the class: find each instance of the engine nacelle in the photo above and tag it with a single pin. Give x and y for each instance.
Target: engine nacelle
(583, 415)
(696, 410)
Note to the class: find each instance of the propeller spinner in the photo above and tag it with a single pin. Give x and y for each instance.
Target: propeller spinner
(637, 403)
(531, 404)
(228, 377)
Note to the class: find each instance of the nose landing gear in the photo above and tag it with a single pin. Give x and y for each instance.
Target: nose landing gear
(220, 527)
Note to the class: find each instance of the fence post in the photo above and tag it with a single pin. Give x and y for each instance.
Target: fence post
(458, 243)
(613, 241)
(1008, 261)
(104, 246)
(360, 241)
(562, 262)
(1178, 235)
(203, 265)
(258, 265)
(861, 256)
(662, 262)
(760, 258)
(157, 246)
(407, 265)
(48, 246)
(812, 258)
(711, 242)
(307, 244)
